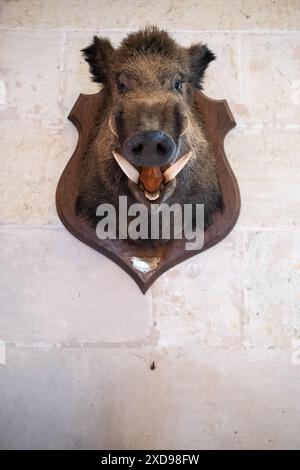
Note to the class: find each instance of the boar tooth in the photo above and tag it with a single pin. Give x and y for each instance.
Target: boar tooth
(128, 169)
(173, 170)
(187, 126)
(151, 196)
(111, 127)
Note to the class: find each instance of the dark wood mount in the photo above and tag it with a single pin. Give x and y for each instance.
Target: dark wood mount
(218, 121)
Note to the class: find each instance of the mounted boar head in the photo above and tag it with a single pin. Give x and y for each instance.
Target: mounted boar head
(148, 143)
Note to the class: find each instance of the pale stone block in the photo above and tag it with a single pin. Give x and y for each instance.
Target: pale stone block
(32, 70)
(32, 158)
(270, 79)
(272, 279)
(199, 303)
(111, 399)
(57, 290)
(266, 164)
(178, 14)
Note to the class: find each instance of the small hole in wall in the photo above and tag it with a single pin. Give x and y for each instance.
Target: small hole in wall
(153, 367)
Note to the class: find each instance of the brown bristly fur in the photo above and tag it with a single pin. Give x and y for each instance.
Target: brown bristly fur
(147, 63)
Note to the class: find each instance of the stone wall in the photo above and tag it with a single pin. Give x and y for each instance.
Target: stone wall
(223, 328)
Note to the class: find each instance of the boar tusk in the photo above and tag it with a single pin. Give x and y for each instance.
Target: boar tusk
(187, 126)
(170, 173)
(128, 169)
(111, 127)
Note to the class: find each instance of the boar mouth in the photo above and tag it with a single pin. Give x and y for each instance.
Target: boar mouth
(151, 181)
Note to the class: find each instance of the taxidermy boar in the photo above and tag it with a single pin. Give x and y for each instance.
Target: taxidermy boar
(148, 143)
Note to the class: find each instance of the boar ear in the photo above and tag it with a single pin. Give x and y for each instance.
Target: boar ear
(98, 56)
(200, 57)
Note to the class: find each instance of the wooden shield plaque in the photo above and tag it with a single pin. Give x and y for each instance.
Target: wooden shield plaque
(145, 264)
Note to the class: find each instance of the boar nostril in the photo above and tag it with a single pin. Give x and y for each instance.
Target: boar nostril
(161, 150)
(138, 149)
(149, 148)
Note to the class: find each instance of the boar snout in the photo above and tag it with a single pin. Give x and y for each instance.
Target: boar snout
(150, 148)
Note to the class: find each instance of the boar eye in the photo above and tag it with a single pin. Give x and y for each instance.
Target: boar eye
(178, 85)
(123, 83)
(122, 86)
